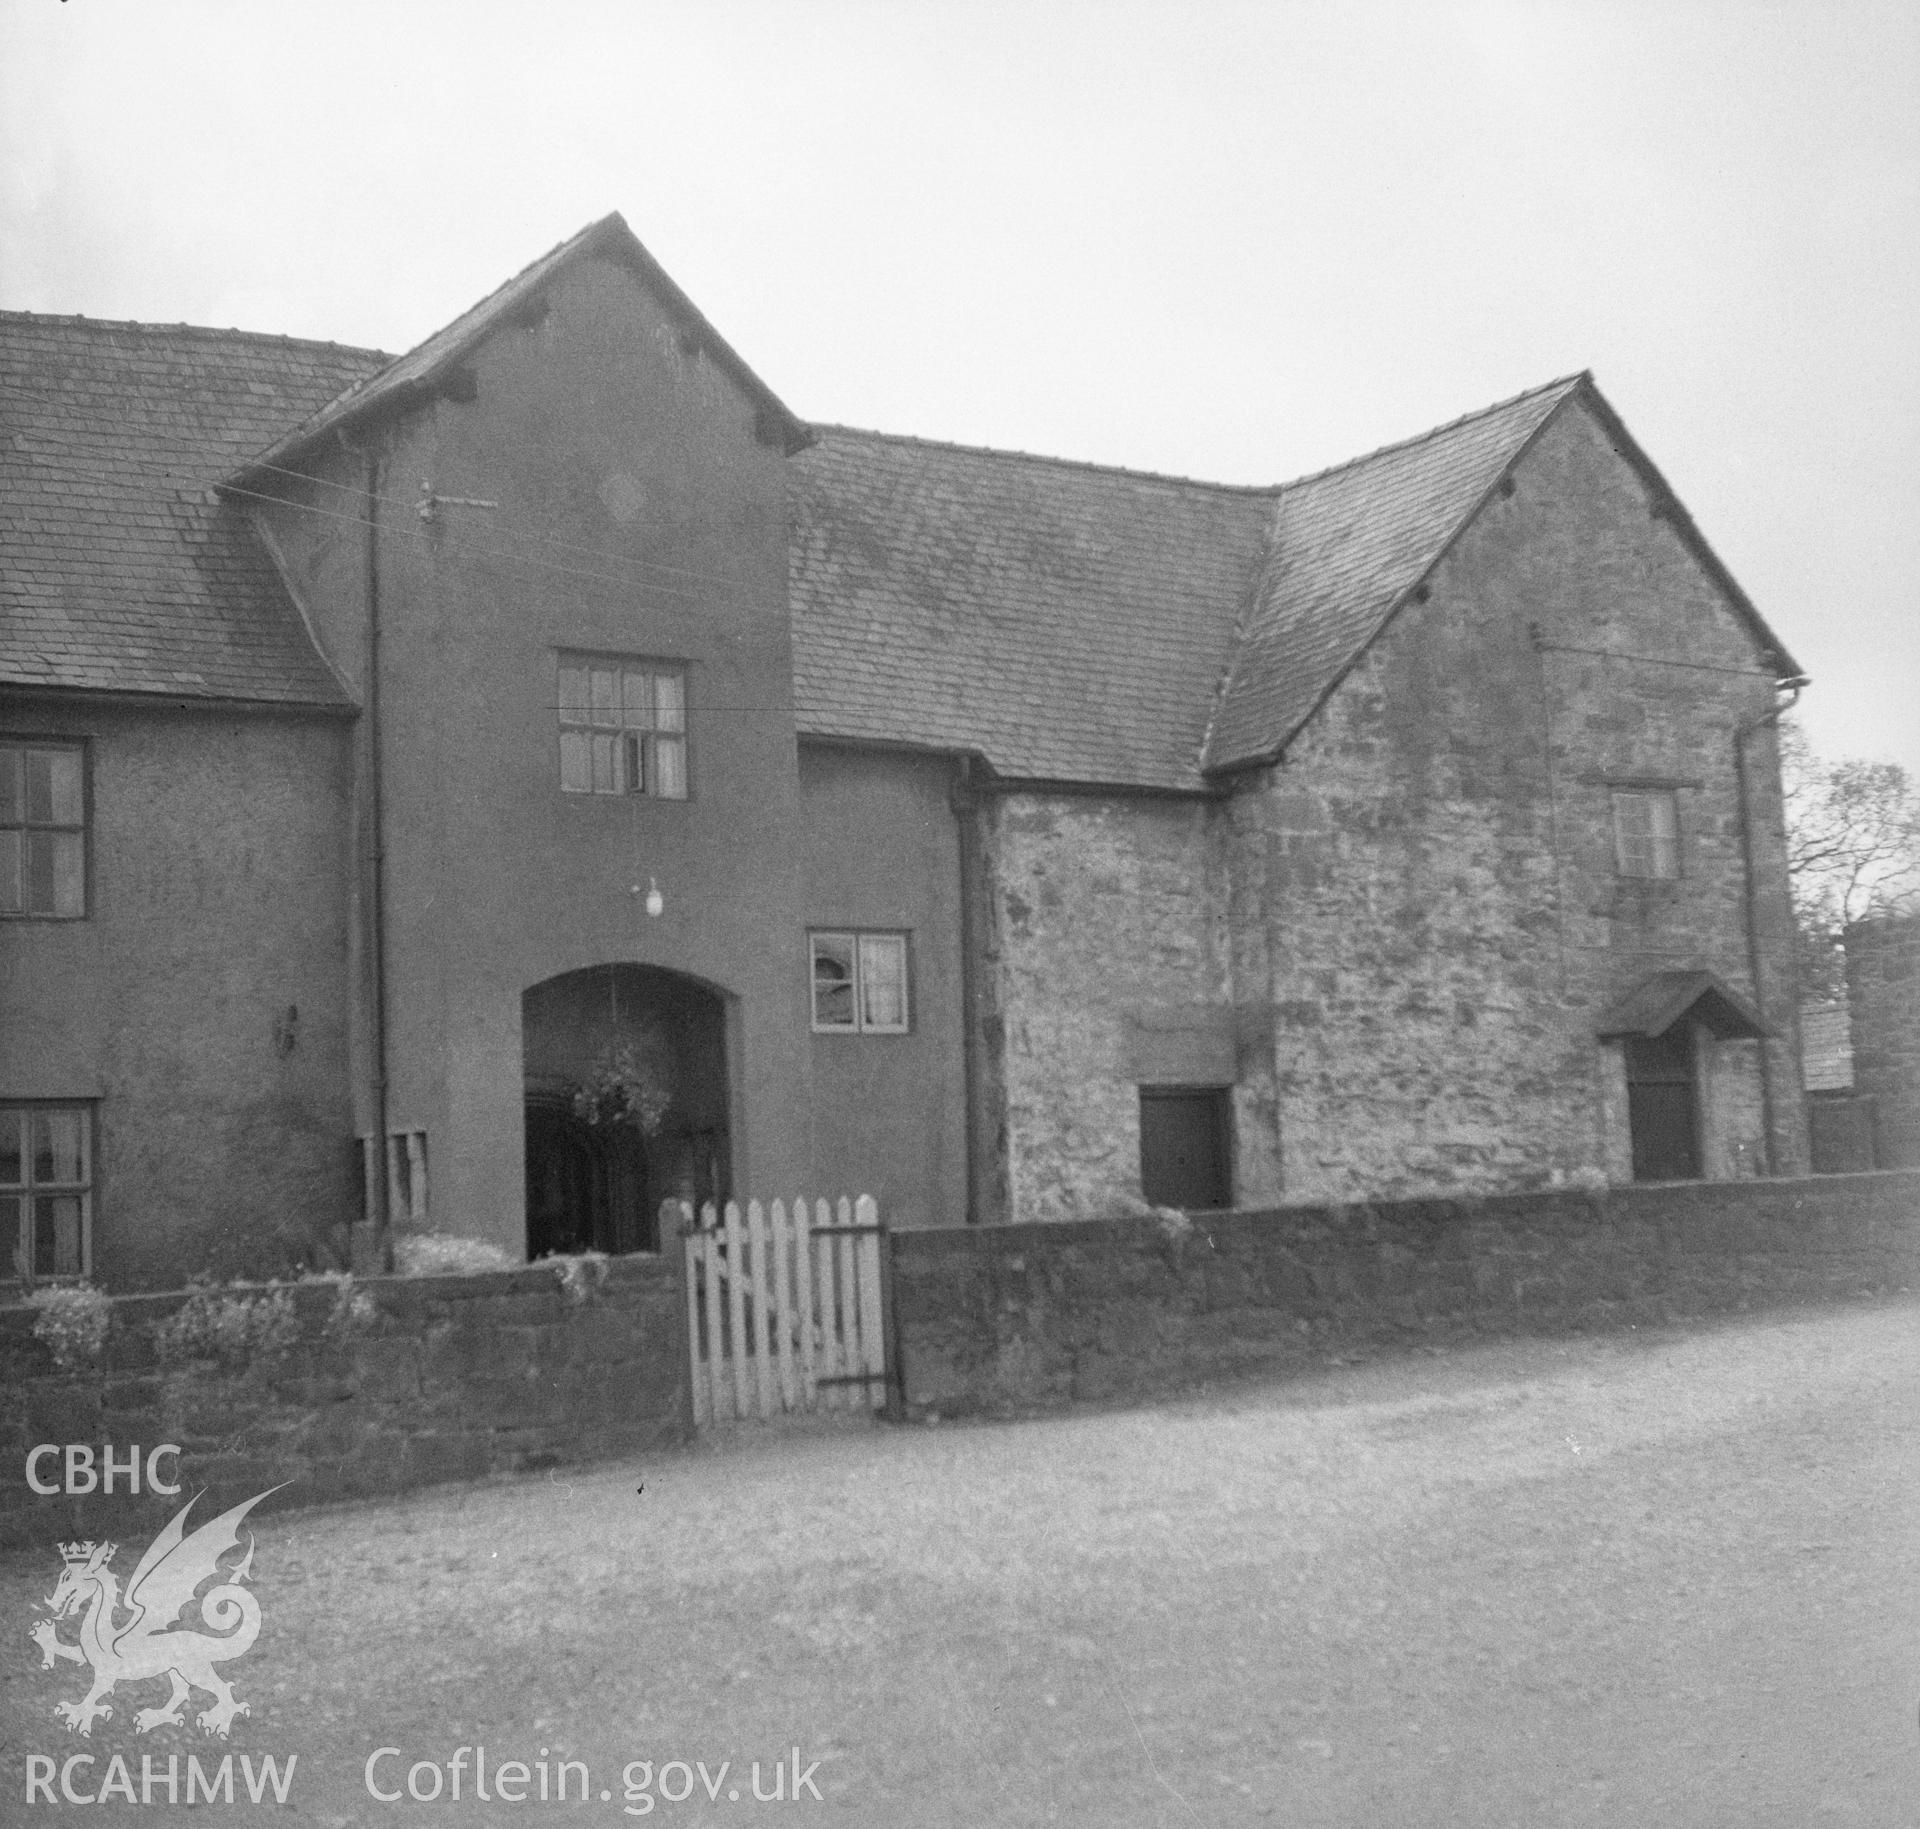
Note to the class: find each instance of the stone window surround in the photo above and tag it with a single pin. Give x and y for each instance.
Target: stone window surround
(1648, 851)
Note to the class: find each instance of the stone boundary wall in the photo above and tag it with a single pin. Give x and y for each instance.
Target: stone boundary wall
(448, 1378)
(1883, 998)
(1008, 1318)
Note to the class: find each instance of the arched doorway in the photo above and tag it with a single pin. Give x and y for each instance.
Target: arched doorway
(626, 1105)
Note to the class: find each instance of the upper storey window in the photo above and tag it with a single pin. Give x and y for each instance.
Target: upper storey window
(623, 727)
(43, 829)
(1646, 832)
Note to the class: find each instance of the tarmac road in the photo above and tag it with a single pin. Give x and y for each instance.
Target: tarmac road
(1652, 1579)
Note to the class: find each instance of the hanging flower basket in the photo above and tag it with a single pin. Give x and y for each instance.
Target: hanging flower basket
(627, 1086)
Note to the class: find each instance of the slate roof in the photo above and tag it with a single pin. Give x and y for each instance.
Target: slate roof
(1068, 622)
(119, 568)
(1089, 624)
(417, 374)
(1346, 548)
(1086, 624)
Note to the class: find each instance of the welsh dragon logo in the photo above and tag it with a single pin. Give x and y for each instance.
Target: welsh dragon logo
(146, 1646)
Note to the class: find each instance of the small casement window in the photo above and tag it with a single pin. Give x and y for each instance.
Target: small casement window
(1646, 832)
(623, 727)
(46, 1188)
(860, 983)
(43, 830)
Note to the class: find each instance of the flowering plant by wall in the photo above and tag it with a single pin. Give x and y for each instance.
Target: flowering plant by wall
(72, 1322)
(237, 1326)
(445, 1254)
(629, 1085)
(579, 1274)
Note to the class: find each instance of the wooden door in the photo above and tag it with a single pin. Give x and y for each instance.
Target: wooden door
(1186, 1157)
(1663, 1106)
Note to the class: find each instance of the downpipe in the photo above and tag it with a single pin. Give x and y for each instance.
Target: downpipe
(1751, 899)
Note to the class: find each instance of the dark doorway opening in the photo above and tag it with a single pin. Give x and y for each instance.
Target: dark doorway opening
(587, 1185)
(1663, 1105)
(1186, 1146)
(626, 1106)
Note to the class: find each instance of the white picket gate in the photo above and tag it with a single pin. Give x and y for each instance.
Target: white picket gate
(786, 1309)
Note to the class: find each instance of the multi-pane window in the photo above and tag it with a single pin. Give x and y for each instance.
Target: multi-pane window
(46, 1186)
(43, 829)
(860, 983)
(1646, 832)
(623, 727)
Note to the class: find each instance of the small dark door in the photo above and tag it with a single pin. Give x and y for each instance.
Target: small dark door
(1663, 1106)
(1186, 1156)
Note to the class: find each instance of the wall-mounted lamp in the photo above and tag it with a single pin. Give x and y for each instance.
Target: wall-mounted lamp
(656, 903)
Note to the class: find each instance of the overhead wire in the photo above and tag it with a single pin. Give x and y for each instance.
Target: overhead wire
(183, 483)
(414, 504)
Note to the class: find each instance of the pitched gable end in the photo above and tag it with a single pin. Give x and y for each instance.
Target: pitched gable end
(1669, 507)
(436, 365)
(1345, 549)
(1348, 547)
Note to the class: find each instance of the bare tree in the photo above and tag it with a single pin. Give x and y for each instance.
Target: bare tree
(1853, 850)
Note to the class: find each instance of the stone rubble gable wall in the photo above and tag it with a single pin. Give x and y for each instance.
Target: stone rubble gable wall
(453, 1378)
(1111, 923)
(1016, 1318)
(1433, 868)
(1883, 992)
(1622, 578)
(1416, 1035)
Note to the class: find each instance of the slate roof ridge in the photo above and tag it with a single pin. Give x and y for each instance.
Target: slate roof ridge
(1566, 382)
(829, 428)
(202, 332)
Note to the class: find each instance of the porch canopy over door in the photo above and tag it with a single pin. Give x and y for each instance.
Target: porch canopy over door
(1656, 1021)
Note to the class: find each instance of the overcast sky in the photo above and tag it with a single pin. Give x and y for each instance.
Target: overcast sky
(1234, 241)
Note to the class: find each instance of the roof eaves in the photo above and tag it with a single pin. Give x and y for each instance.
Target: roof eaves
(172, 698)
(1121, 789)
